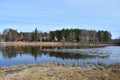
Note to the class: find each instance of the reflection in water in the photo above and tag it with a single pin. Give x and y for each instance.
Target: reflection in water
(13, 51)
(71, 55)
(9, 52)
(20, 49)
(16, 55)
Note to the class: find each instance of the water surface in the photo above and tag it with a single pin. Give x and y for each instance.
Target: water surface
(16, 55)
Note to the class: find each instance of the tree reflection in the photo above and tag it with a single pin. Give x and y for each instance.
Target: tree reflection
(38, 51)
(34, 52)
(9, 52)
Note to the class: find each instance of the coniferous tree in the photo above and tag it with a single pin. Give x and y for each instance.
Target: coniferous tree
(35, 35)
(107, 37)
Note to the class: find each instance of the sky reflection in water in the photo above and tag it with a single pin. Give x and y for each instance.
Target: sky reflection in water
(38, 55)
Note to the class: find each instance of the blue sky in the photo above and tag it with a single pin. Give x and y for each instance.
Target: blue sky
(46, 15)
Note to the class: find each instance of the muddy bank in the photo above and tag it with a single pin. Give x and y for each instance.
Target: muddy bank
(55, 71)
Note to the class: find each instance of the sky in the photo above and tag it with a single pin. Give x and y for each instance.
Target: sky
(47, 15)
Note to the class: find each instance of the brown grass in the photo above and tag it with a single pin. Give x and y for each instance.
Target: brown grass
(54, 71)
(51, 44)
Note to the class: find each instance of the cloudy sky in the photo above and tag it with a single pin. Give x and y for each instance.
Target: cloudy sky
(46, 15)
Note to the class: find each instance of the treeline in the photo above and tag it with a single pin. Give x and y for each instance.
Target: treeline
(78, 35)
(64, 35)
(116, 41)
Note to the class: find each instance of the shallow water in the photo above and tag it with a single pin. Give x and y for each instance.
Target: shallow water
(16, 55)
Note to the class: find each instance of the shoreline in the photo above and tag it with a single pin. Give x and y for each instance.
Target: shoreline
(55, 71)
(56, 44)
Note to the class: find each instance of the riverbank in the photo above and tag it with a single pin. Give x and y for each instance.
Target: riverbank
(55, 71)
(52, 44)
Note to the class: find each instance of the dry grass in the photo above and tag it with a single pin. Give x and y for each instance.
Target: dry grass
(51, 44)
(54, 71)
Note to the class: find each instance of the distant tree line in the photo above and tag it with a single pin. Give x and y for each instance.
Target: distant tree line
(116, 41)
(78, 35)
(64, 35)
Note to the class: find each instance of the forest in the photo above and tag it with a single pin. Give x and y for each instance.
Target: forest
(64, 35)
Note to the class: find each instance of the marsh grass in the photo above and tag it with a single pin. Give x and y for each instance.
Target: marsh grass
(57, 44)
(55, 71)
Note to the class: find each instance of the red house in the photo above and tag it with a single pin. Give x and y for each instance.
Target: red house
(21, 37)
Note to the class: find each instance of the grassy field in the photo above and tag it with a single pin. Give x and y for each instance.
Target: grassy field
(51, 44)
(54, 71)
